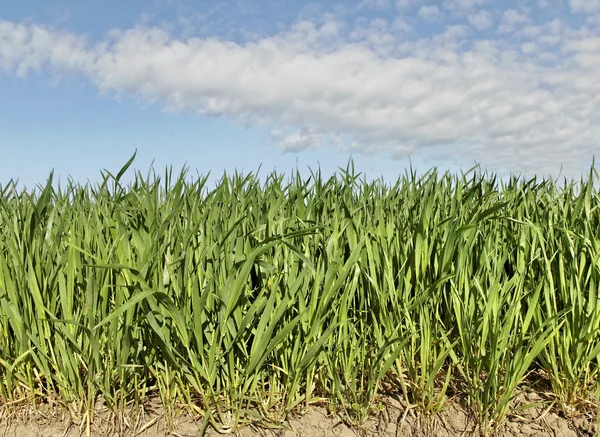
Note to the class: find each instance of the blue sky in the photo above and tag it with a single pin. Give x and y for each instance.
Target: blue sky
(224, 85)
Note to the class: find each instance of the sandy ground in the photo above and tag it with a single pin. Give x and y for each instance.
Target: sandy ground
(393, 421)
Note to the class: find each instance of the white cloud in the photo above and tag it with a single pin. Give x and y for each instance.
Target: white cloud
(583, 6)
(549, 34)
(430, 13)
(463, 6)
(529, 48)
(405, 4)
(401, 25)
(375, 34)
(511, 19)
(481, 20)
(485, 98)
(296, 141)
(376, 4)
(26, 48)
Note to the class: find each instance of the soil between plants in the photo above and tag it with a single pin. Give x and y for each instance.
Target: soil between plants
(393, 421)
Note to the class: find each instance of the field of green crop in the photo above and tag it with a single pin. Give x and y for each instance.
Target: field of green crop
(251, 299)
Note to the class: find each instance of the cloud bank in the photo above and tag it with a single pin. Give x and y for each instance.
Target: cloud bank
(526, 101)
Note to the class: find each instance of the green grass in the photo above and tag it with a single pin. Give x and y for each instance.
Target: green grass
(244, 302)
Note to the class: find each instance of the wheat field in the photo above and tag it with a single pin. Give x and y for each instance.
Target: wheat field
(248, 300)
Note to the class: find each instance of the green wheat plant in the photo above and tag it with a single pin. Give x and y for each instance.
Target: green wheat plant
(260, 296)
